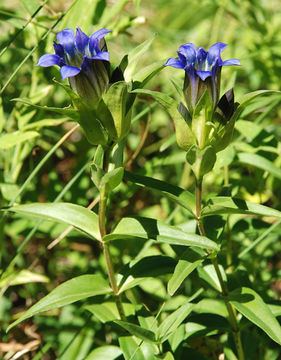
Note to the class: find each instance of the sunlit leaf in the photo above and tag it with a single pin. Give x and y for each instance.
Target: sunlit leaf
(251, 305)
(78, 288)
(79, 217)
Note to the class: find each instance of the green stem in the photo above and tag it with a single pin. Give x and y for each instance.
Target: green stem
(102, 227)
(224, 290)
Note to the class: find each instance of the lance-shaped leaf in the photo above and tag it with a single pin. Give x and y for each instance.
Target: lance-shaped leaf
(148, 72)
(79, 217)
(182, 197)
(9, 140)
(184, 135)
(146, 228)
(261, 163)
(134, 57)
(172, 322)
(138, 331)
(69, 292)
(251, 305)
(188, 262)
(108, 352)
(67, 111)
(117, 100)
(227, 205)
(93, 129)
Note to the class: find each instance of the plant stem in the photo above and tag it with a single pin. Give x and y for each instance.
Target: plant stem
(102, 226)
(230, 309)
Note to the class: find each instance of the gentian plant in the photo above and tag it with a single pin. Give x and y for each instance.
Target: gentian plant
(103, 101)
(204, 122)
(203, 128)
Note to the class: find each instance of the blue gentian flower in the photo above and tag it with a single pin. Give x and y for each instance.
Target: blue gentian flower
(202, 69)
(83, 60)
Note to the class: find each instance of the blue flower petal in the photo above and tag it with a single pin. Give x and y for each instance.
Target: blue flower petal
(203, 74)
(215, 50)
(102, 55)
(231, 62)
(58, 49)
(100, 34)
(182, 58)
(69, 71)
(67, 40)
(174, 63)
(86, 64)
(48, 60)
(81, 40)
(189, 52)
(201, 55)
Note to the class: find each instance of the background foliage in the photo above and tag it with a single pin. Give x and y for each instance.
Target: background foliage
(38, 164)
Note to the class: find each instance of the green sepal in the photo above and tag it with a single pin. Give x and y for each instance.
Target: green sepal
(201, 161)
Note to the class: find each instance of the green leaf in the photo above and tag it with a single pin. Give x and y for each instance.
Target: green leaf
(116, 99)
(146, 73)
(22, 277)
(131, 348)
(248, 129)
(187, 263)
(134, 57)
(69, 292)
(80, 9)
(208, 273)
(108, 352)
(67, 111)
(79, 217)
(107, 311)
(171, 323)
(252, 306)
(92, 127)
(146, 228)
(260, 162)
(224, 134)
(166, 356)
(201, 161)
(43, 123)
(113, 178)
(110, 13)
(138, 331)
(152, 266)
(226, 205)
(9, 140)
(182, 197)
(211, 306)
(246, 99)
(184, 135)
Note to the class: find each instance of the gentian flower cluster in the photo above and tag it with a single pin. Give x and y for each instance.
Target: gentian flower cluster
(202, 70)
(103, 100)
(83, 60)
(206, 127)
